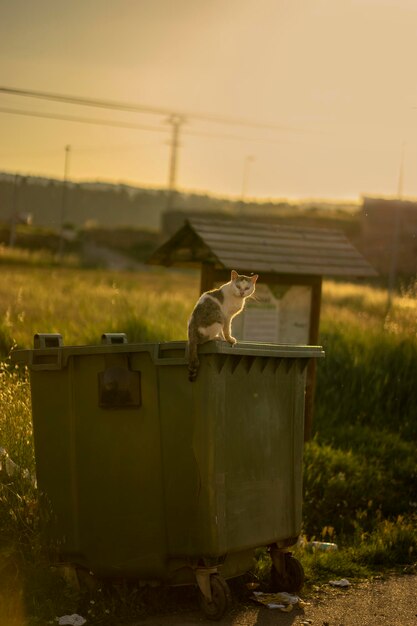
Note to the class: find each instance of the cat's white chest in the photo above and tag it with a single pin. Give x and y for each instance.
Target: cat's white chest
(231, 306)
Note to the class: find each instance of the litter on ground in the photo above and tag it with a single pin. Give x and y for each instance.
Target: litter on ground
(283, 601)
(343, 583)
(71, 620)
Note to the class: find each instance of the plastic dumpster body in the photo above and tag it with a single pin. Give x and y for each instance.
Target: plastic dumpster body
(147, 475)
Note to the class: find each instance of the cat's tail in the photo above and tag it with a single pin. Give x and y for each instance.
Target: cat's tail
(193, 362)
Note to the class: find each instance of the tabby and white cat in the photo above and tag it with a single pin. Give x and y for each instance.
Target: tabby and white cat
(212, 315)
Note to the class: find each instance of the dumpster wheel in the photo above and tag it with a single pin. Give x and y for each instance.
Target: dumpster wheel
(290, 577)
(221, 598)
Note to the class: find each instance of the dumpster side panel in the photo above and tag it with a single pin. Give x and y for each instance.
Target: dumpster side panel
(181, 473)
(263, 453)
(147, 473)
(54, 439)
(189, 414)
(232, 453)
(209, 407)
(100, 466)
(119, 472)
(253, 465)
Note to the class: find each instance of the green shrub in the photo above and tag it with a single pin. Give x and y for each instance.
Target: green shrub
(338, 487)
(366, 378)
(390, 544)
(368, 475)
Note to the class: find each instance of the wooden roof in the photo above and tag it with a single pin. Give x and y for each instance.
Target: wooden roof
(262, 247)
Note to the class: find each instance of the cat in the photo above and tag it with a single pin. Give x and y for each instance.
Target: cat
(212, 315)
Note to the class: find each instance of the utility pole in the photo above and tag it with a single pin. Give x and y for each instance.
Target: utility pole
(392, 277)
(401, 173)
(245, 177)
(14, 217)
(64, 201)
(176, 122)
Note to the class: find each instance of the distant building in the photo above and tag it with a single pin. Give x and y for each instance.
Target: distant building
(174, 219)
(388, 225)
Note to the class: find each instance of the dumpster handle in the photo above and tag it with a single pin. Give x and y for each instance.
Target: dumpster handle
(160, 359)
(47, 353)
(48, 359)
(47, 340)
(113, 338)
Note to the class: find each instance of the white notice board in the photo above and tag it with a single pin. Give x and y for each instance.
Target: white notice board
(280, 314)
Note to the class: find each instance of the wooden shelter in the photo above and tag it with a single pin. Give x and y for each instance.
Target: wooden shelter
(389, 234)
(285, 257)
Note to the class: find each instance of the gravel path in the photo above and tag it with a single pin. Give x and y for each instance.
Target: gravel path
(391, 602)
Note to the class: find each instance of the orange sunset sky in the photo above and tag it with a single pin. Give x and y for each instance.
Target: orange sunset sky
(335, 77)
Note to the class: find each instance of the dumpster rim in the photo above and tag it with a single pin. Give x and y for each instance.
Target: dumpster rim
(248, 348)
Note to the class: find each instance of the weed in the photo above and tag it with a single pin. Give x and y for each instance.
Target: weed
(390, 545)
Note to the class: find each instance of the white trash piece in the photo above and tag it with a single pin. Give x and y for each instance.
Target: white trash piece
(71, 620)
(9, 469)
(343, 583)
(321, 546)
(282, 600)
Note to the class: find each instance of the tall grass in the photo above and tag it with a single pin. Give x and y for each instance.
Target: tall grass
(18, 498)
(17, 462)
(35, 258)
(81, 305)
(361, 465)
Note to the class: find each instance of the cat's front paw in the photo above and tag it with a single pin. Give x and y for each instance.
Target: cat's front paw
(232, 341)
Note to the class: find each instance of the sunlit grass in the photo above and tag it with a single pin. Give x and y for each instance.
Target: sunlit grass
(15, 412)
(81, 305)
(35, 258)
(365, 307)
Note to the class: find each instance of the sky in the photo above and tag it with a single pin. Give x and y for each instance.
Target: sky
(328, 86)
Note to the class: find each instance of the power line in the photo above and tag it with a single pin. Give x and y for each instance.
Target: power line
(82, 120)
(175, 118)
(130, 125)
(133, 107)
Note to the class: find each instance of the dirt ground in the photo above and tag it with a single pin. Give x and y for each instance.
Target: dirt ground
(391, 602)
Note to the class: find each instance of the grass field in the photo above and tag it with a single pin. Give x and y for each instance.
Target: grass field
(360, 469)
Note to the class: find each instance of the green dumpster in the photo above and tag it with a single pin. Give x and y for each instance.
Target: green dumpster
(146, 475)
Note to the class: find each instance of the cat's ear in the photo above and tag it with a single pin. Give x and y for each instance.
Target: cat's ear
(254, 278)
(234, 275)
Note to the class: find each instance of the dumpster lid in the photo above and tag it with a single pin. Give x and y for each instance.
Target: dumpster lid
(254, 348)
(52, 354)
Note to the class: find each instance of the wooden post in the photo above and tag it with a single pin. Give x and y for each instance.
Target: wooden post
(207, 277)
(312, 366)
(210, 275)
